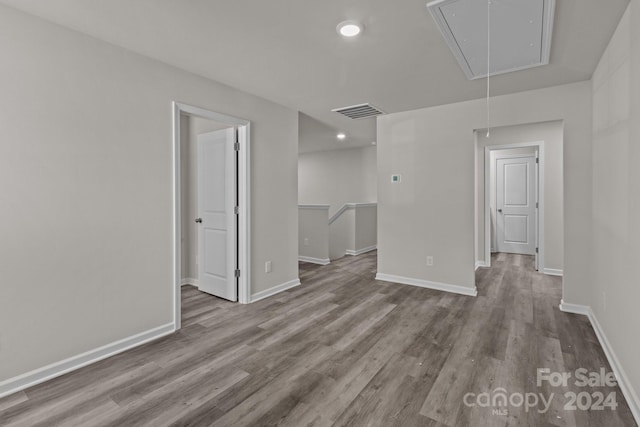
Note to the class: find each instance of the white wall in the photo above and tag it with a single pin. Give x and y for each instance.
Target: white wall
(191, 127)
(431, 212)
(366, 225)
(342, 234)
(616, 195)
(86, 176)
(313, 226)
(551, 133)
(337, 177)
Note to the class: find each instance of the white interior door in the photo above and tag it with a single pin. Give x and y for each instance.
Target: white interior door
(516, 205)
(216, 214)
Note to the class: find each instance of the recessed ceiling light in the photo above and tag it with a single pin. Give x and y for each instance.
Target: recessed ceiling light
(341, 136)
(349, 28)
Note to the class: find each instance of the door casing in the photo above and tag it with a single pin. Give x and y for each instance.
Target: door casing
(244, 193)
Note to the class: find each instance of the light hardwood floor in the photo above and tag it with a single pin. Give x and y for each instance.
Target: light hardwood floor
(342, 349)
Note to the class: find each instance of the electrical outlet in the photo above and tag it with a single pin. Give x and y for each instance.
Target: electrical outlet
(306, 241)
(267, 267)
(430, 260)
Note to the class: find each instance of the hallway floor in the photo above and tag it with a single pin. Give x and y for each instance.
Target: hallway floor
(344, 349)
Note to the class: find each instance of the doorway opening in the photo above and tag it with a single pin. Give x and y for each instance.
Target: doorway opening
(211, 204)
(528, 206)
(337, 196)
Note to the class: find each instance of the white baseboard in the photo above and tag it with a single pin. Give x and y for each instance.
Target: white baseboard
(623, 380)
(462, 290)
(481, 264)
(361, 251)
(321, 261)
(37, 376)
(552, 272)
(190, 281)
(574, 308)
(275, 290)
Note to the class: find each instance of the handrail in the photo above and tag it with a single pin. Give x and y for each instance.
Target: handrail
(320, 207)
(348, 206)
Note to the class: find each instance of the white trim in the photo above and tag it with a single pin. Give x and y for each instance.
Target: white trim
(244, 218)
(456, 289)
(363, 205)
(574, 308)
(189, 281)
(177, 218)
(481, 264)
(244, 197)
(321, 261)
(320, 207)
(487, 192)
(40, 375)
(623, 380)
(348, 206)
(552, 272)
(275, 290)
(361, 251)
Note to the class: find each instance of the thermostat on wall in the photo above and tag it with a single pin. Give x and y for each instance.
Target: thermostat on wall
(396, 178)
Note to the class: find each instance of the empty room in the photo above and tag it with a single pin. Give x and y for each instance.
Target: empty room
(335, 213)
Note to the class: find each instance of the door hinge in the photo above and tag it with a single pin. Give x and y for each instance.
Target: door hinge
(237, 273)
(536, 250)
(537, 205)
(236, 210)
(537, 160)
(236, 146)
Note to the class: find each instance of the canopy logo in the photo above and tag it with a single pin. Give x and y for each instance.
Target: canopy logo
(500, 400)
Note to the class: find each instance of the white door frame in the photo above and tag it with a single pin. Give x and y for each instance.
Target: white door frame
(540, 186)
(243, 200)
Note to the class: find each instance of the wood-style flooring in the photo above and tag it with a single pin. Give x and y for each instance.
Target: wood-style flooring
(342, 349)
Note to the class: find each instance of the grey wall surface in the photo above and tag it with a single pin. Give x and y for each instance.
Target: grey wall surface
(86, 174)
(616, 194)
(337, 177)
(432, 211)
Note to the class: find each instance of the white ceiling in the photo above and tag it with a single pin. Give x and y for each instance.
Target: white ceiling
(288, 51)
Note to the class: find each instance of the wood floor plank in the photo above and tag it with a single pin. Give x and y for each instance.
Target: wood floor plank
(13, 400)
(342, 349)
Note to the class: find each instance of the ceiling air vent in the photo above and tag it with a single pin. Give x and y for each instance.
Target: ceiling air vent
(360, 111)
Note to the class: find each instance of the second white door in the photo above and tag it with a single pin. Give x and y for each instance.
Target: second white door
(217, 242)
(516, 205)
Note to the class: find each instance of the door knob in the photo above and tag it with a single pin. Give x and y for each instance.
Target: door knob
(499, 210)
(198, 220)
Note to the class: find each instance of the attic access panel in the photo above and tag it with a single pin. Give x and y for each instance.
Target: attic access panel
(520, 33)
